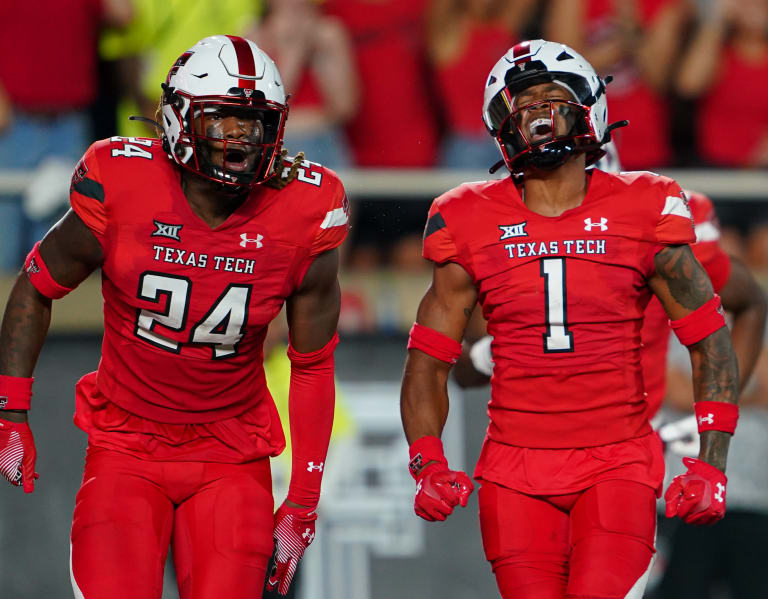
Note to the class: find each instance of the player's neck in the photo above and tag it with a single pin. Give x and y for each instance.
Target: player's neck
(550, 193)
(208, 201)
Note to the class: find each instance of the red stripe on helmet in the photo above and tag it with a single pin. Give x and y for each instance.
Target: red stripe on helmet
(521, 49)
(245, 62)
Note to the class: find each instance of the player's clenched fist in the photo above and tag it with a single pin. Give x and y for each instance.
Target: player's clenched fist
(439, 490)
(698, 496)
(18, 454)
(294, 531)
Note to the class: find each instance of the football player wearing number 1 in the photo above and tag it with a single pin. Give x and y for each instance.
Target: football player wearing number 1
(563, 261)
(201, 237)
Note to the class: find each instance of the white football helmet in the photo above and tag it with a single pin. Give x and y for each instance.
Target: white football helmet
(218, 77)
(539, 61)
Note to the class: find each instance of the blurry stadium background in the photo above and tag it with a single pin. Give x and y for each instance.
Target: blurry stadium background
(389, 93)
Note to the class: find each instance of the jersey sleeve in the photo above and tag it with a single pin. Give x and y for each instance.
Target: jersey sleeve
(674, 225)
(439, 245)
(86, 194)
(335, 222)
(707, 247)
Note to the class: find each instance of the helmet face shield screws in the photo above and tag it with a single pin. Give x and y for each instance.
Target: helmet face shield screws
(569, 107)
(224, 110)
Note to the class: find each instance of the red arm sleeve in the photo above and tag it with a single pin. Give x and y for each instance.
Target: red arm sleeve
(438, 242)
(707, 248)
(86, 194)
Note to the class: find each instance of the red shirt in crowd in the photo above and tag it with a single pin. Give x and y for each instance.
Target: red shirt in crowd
(396, 121)
(49, 53)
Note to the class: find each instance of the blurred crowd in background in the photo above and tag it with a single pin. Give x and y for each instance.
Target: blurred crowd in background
(379, 83)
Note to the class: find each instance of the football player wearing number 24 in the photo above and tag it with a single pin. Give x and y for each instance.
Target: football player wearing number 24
(563, 260)
(201, 237)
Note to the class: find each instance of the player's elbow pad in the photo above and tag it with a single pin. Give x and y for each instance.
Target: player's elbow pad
(311, 404)
(700, 323)
(41, 278)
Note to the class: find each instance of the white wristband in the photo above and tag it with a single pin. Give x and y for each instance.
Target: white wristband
(480, 354)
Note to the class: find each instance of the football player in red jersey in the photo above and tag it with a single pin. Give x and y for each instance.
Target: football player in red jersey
(201, 237)
(563, 261)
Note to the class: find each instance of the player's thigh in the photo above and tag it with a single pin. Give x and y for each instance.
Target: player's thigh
(222, 537)
(526, 541)
(121, 529)
(613, 526)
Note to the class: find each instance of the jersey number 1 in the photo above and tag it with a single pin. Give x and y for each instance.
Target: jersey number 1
(558, 338)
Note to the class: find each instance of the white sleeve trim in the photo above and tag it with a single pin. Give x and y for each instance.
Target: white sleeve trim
(334, 218)
(676, 206)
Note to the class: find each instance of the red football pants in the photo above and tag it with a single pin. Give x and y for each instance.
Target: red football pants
(217, 517)
(595, 544)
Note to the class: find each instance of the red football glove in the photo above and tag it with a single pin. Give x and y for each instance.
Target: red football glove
(18, 454)
(698, 496)
(439, 490)
(294, 531)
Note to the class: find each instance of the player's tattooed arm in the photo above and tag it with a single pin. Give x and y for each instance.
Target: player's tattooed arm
(71, 253)
(446, 308)
(682, 286)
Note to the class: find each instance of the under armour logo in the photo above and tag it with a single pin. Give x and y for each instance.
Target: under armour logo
(709, 419)
(246, 240)
(165, 230)
(311, 465)
(517, 230)
(248, 92)
(308, 535)
(719, 492)
(603, 224)
(33, 268)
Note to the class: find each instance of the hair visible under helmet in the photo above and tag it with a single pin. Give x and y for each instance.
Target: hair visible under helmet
(539, 61)
(228, 75)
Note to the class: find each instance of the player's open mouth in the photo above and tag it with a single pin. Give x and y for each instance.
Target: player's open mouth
(236, 159)
(540, 130)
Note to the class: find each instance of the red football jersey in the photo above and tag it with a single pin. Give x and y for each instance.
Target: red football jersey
(655, 332)
(186, 306)
(564, 299)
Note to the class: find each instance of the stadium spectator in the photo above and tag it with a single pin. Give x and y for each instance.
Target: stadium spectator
(201, 236)
(464, 39)
(396, 122)
(47, 83)
(636, 42)
(726, 66)
(314, 54)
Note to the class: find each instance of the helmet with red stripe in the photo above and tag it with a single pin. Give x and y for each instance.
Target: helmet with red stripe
(581, 113)
(224, 79)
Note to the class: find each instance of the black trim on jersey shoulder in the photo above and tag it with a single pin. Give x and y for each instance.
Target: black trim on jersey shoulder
(434, 224)
(90, 189)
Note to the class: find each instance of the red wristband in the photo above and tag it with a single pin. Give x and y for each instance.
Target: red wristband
(702, 322)
(716, 416)
(39, 276)
(15, 392)
(425, 450)
(434, 343)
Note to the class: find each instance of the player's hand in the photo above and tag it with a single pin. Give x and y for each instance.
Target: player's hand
(18, 454)
(439, 490)
(294, 531)
(698, 496)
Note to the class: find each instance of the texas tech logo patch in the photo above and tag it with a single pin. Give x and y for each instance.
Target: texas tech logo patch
(81, 170)
(166, 230)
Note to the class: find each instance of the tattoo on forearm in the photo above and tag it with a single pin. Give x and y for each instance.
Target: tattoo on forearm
(714, 448)
(24, 327)
(687, 280)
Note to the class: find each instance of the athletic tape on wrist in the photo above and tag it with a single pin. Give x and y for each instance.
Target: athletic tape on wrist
(424, 450)
(716, 416)
(434, 343)
(39, 276)
(15, 392)
(700, 323)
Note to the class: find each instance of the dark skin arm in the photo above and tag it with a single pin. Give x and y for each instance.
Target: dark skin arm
(313, 310)
(682, 286)
(446, 307)
(71, 253)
